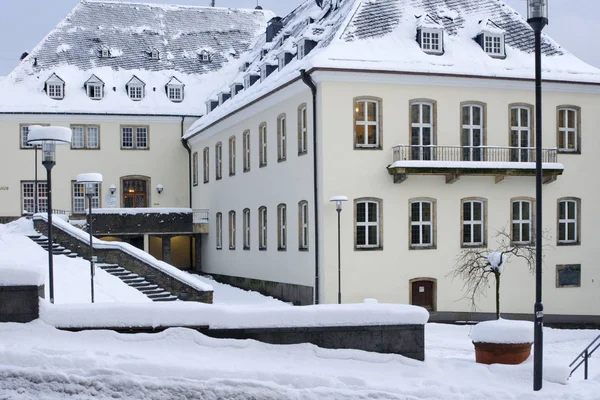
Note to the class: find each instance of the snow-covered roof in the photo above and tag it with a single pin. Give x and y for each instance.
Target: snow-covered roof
(129, 31)
(381, 36)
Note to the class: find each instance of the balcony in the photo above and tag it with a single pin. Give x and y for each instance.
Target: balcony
(456, 161)
(128, 221)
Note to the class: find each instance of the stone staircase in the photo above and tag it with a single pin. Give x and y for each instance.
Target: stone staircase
(152, 291)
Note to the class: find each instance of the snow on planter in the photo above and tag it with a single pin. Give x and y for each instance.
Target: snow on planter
(12, 274)
(503, 331)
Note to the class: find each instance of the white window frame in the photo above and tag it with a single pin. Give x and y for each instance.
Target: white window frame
(232, 230)
(521, 220)
(175, 93)
(246, 227)
(218, 161)
(246, 143)
(56, 90)
(135, 91)
(420, 152)
(219, 229)
(366, 123)
(472, 151)
(154, 54)
(95, 91)
(366, 224)
(262, 140)
(303, 224)
(195, 168)
(89, 139)
(523, 153)
(493, 44)
(281, 138)
(105, 53)
(422, 224)
(428, 38)
(139, 137)
(281, 227)
(28, 196)
(565, 130)
(563, 206)
(232, 156)
(78, 197)
(206, 163)
(302, 130)
(262, 228)
(301, 49)
(473, 224)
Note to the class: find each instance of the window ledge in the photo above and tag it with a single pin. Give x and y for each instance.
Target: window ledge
(568, 244)
(302, 153)
(427, 247)
(262, 249)
(281, 249)
(379, 248)
(305, 249)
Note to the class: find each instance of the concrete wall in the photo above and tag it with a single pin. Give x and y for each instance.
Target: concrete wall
(20, 303)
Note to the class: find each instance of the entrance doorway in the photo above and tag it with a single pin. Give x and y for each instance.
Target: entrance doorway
(423, 294)
(135, 193)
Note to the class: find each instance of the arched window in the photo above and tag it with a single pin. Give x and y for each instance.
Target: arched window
(281, 227)
(262, 228)
(303, 225)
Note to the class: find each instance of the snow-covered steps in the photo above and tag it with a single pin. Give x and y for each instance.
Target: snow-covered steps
(57, 249)
(153, 291)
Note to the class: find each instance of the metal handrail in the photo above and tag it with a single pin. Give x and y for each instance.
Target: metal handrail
(472, 153)
(585, 355)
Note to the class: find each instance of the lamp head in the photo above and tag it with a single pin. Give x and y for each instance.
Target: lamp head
(537, 14)
(338, 201)
(112, 189)
(159, 188)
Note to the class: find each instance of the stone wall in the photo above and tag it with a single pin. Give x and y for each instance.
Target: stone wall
(20, 303)
(115, 256)
(155, 223)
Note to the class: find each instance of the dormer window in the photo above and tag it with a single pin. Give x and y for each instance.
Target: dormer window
(491, 39)
(104, 52)
(174, 90)
(250, 79)
(94, 88)
(135, 89)
(304, 47)
(55, 87)
(283, 59)
(236, 88)
(204, 56)
(154, 54)
(430, 35)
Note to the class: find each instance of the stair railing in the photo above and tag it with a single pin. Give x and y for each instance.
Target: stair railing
(584, 356)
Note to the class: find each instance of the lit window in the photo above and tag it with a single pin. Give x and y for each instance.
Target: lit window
(568, 132)
(366, 119)
(79, 197)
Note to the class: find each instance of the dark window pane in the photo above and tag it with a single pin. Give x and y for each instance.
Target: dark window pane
(526, 210)
(515, 232)
(571, 231)
(561, 210)
(426, 211)
(467, 211)
(372, 212)
(476, 115)
(427, 234)
(372, 235)
(477, 211)
(414, 234)
(571, 205)
(360, 212)
(524, 117)
(476, 137)
(426, 136)
(414, 114)
(572, 141)
(361, 238)
(514, 117)
(525, 232)
(477, 234)
(426, 114)
(466, 115)
(415, 136)
(372, 111)
(571, 119)
(466, 233)
(466, 137)
(561, 118)
(415, 211)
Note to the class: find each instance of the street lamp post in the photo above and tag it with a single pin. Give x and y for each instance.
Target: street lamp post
(91, 182)
(338, 207)
(537, 17)
(49, 137)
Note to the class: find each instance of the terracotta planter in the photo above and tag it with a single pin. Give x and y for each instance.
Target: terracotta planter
(501, 353)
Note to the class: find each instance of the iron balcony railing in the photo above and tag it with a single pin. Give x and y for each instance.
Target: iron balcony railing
(200, 216)
(472, 153)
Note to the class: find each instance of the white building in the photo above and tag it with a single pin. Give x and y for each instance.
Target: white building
(422, 115)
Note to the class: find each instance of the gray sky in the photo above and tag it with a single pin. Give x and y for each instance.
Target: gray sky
(573, 23)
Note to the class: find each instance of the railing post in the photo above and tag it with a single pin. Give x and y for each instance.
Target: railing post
(585, 366)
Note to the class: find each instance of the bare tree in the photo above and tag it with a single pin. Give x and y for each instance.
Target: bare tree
(475, 266)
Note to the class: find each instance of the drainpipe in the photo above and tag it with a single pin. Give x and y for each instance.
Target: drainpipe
(185, 144)
(309, 82)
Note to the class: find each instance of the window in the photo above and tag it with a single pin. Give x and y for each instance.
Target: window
(134, 137)
(79, 197)
(303, 225)
(232, 156)
(281, 138)
(302, 131)
(175, 93)
(85, 137)
(105, 53)
(28, 197)
(246, 222)
(431, 40)
(154, 54)
(24, 135)
(520, 133)
(568, 221)
(473, 222)
(493, 44)
(135, 92)
(422, 130)
(300, 51)
(195, 169)
(522, 219)
(568, 275)
(281, 227)
(206, 161)
(472, 137)
(368, 224)
(231, 230)
(246, 140)
(95, 91)
(55, 90)
(219, 227)
(367, 123)
(422, 218)
(568, 129)
(218, 160)
(262, 228)
(262, 143)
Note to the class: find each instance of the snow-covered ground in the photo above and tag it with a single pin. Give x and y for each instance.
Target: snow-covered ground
(38, 361)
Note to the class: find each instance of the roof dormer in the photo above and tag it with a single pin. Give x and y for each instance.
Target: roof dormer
(223, 97)
(266, 70)
(250, 79)
(104, 52)
(205, 56)
(244, 67)
(236, 88)
(211, 105)
(94, 87)
(55, 87)
(430, 35)
(305, 46)
(174, 90)
(154, 54)
(491, 39)
(284, 58)
(135, 88)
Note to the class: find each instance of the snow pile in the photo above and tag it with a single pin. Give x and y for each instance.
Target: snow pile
(496, 261)
(227, 317)
(503, 331)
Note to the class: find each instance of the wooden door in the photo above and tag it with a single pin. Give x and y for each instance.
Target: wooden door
(422, 294)
(135, 193)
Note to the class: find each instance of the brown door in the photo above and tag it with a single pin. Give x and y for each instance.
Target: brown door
(422, 294)
(134, 193)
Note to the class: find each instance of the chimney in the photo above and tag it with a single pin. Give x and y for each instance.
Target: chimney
(25, 54)
(273, 28)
